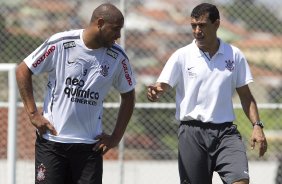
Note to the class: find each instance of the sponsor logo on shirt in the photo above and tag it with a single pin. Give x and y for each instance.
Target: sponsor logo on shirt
(74, 91)
(229, 65)
(126, 72)
(112, 53)
(44, 56)
(68, 45)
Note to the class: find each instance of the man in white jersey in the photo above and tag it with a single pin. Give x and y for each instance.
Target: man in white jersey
(205, 74)
(82, 65)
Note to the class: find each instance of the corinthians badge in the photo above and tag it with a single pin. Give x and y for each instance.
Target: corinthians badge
(41, 172)
(104, 70)
(229, 65)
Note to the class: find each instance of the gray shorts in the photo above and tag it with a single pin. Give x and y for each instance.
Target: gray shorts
(205, 148)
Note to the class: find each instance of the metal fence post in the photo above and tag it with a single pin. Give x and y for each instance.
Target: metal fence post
(121, 144)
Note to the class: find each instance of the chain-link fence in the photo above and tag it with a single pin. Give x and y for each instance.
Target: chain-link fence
(153, 30)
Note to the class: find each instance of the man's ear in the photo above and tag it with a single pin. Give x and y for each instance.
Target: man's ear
(217, 23)
(100, 22)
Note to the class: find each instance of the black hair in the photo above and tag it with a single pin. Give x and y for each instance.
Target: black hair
(204, 8)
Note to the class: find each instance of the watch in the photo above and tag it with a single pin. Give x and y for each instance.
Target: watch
(259, 123)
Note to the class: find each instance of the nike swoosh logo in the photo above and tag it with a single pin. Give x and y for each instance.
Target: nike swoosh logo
(246, 172)
(190, 68)
(70, 62)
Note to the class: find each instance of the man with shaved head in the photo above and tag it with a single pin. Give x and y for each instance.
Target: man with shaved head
(82, 66)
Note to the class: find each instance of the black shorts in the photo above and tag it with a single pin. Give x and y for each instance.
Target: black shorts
(63, 163)
(207, 147)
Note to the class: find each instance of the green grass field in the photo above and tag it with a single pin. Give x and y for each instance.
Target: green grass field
(271, 117)
(272, 120)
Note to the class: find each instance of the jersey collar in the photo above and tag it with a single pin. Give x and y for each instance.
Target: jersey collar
(199, 53)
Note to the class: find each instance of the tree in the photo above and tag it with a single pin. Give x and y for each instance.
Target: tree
(255, 16)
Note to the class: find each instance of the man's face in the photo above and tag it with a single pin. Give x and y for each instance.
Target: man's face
(204, 31)
(110, 32)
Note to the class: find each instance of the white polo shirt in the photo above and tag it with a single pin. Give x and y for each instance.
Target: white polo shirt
(204, 87)
(78, 81)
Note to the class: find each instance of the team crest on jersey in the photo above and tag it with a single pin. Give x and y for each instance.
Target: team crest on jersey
(70, 44)
(41, 172)
(104, 70)
(229, 65)
(112, 53)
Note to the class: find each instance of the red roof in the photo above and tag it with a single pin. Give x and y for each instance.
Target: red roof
(51, 5)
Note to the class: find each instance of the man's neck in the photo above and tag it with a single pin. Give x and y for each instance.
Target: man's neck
(89, 39)
(212, 48)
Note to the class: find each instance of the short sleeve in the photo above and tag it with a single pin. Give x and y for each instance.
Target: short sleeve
(171, 71)
(125, 79)
(244, 75)
(41, 59)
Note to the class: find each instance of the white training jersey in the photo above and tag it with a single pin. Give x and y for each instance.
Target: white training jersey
(205, 86)
(78, 81)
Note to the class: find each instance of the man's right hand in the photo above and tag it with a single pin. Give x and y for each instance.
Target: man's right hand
(154, 92)
(41, 124)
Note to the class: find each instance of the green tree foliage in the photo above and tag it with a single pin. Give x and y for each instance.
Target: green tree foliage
(255, 16)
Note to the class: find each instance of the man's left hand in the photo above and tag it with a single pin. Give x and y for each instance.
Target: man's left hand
(259, 138)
